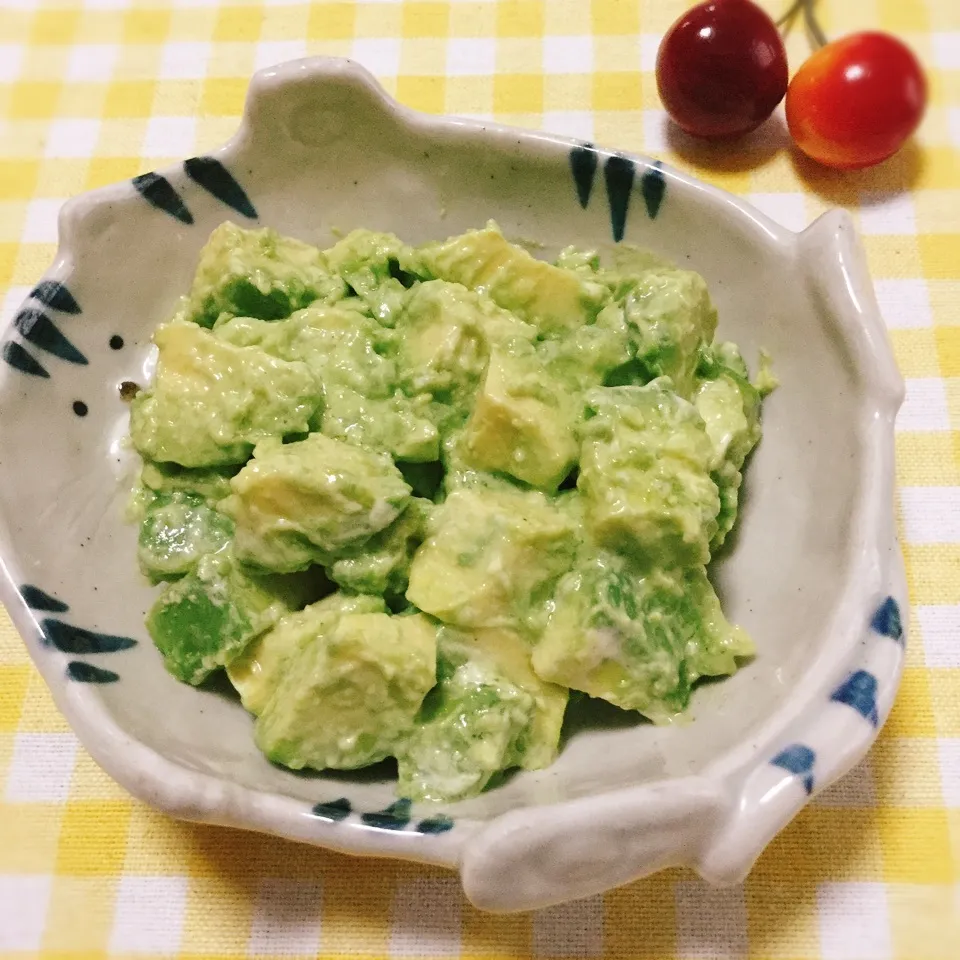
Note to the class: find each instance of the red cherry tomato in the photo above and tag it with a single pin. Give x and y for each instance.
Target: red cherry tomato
(722, 68)
(856, 100)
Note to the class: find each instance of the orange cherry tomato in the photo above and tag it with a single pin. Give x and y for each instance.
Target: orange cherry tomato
(856, 101)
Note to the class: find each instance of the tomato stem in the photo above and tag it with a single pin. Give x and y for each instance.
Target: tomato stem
(789, 15)
(815, 32)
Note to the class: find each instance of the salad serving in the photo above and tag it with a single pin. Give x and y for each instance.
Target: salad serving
(409, 498)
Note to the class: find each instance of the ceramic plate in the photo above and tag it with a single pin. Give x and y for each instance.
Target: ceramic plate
(815, 575)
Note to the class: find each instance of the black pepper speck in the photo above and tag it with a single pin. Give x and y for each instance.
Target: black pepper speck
(128, 390)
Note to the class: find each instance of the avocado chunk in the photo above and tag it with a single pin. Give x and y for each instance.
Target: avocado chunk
(586, 263)
(670, 316)
(257, 671)
(257, 273)
(349, 697)
(730, 407)
(176, 531)
(378, 267)
(311, 501)
(210, 401)
(728, 480)
(636, 638)
(590, 354)
(159, 482)
(645, 474)
(382, 564)
(492, 558)
(346, 350)
(465, 734)
(394, 425)
(509, 654)
(523, 422)
(210, 484)
(444, 338)
(554, 300)
(206, 619)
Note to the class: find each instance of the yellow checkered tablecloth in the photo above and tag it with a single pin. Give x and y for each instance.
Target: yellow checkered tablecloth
(93, 92)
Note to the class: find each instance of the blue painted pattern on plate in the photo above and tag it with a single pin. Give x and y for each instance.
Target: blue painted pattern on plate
(797, 759)
(859, 691)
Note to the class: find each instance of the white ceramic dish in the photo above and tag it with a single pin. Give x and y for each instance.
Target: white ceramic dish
(816, 574)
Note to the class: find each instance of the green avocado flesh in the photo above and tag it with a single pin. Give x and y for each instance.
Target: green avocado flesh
(410, 497)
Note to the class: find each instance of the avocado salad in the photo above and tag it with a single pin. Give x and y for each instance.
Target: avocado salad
(409, 498)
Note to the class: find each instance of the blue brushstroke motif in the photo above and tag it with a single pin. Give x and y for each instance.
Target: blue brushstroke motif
(37, 599)
(434, 825)
(159, 192)
(335, 810)
(20, 359)
(55, 294)
(41, 331)
(88, 673)
(214, 177)
(653, 186)
(70, 639)
(799, 760)
(859, 691)
(583, 166)
(618, 173)
(395, 817)
(886, 621)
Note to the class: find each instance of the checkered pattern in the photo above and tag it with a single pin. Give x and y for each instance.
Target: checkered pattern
(94, 92)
